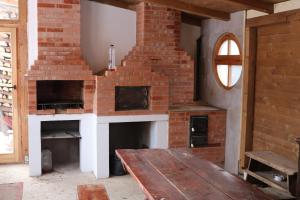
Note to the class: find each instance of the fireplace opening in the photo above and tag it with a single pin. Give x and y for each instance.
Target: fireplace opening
(132, 98)
(60, 144)
(129, 135)
(59, 94)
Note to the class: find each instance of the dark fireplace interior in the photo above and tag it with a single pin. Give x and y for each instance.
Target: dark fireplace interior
(60, 144)
(59, 94)
(129, 135)
(132, 98)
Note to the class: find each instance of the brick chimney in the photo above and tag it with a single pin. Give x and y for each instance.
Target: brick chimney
(157, 48)
(59, 54)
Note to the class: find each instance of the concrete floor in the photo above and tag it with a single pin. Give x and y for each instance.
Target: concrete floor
(61, 184)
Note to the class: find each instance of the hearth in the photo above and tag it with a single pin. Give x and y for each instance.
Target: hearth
(61, 139)
(59, 94)
(126, 135)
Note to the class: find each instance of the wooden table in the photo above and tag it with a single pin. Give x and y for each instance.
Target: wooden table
(176, 174)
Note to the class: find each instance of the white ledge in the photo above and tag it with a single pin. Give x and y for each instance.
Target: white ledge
(131, 118)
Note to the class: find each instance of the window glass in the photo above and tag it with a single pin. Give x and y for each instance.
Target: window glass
(9, 9)
(236, 71)
(224, 48)
(234, 49)
(227, 60)
(223, 74)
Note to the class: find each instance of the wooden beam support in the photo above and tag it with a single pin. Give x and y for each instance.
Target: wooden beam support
(192, 9)
(117, 3)
(248, 94)
(192, 20)
(255, 4)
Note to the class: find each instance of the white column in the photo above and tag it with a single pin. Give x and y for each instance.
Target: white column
(159, 135)
(34, 141)
(102, 151)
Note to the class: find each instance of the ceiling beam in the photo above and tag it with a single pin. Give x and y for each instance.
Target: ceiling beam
(191, 19)
(117, 3)
(192, 9)
(255, 4)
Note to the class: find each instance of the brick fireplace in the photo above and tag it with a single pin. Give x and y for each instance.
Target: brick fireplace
(59, 58)
(154, 77)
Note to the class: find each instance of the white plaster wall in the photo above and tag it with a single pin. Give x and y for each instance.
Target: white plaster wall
(188, 39)
(280, 7)
(32, 32)
(216, 95)
(102, 25)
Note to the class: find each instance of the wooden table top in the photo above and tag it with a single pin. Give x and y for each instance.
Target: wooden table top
(176, 174)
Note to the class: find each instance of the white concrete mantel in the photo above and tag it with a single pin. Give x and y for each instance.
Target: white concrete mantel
(94, 142)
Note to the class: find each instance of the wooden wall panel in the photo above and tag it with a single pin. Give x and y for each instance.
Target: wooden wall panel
(277, 88)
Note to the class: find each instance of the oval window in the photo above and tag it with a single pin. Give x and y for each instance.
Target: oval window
(227, 60)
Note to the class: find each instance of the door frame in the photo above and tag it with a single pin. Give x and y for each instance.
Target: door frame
(14, 157)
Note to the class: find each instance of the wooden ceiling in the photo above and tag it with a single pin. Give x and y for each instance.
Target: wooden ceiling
(202, 9)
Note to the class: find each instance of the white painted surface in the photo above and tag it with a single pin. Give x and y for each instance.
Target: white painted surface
(102, 25)
(131, 118)
(87, 148)
(216, 95)
(102, 154)
(159, 131)
(280, 7)
(32, 32)
(188, 38)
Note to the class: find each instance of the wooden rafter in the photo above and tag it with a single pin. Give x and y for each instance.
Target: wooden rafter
(117, 3)
(193, 9)
(255, 4)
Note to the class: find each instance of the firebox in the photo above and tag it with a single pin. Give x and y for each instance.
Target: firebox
(132, 98)
(59, 94)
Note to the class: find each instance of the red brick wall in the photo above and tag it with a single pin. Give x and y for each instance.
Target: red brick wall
(179, 125)
(105, 90)
(158, 36)
(59, 56)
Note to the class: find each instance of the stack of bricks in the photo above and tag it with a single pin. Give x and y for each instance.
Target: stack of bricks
(59, 55)
(157, 48)
(124, 76)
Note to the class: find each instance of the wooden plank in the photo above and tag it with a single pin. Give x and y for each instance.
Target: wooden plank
(275, 161)
(268, 20)
(90, 192)
(192, 9)
(248, 94)
(147, 177)
(255, 4)
(267, 179)
(183, 176)
(218, 177)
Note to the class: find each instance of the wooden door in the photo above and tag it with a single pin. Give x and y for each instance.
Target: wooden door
(9, 137)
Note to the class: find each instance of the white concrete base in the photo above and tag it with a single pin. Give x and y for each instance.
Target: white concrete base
(159, 133)
(94, 142)
(87, 147)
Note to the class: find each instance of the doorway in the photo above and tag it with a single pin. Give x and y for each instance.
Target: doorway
(8, 96)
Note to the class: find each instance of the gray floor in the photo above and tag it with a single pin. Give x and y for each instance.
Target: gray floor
(61, 184)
